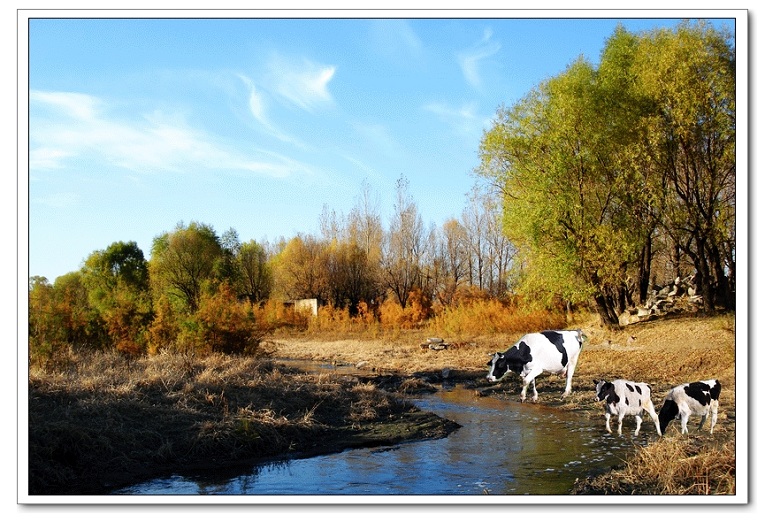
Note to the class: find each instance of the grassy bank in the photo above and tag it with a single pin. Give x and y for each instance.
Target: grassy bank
(99, 421)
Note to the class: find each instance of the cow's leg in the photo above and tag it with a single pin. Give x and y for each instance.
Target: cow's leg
(703, 420)
(608, 422)
(654, 417)
(534, 395)
(619, 426)
(570, 375)
(530, 379)
(684, 423)
(638, 422)
(715, 404)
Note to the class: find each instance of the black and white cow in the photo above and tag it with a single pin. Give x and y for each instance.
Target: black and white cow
(552, 351)
(621, 397)
(691, 398)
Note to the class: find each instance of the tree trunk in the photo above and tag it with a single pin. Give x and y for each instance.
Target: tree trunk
(603, 304)
(606, 312)
(644, 270)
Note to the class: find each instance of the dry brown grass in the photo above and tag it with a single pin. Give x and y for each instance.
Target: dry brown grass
(100, 421)
(690, 465)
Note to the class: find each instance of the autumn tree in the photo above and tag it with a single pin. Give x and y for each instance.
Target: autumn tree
(117, 280)
(689, 76)
(488, 248)
(593, 162)
(184, 260)
(404, 247)
(564, 205)
(61, 317)
(300, 268)
(255, 279)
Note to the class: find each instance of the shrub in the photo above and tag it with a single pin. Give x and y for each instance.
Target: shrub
(226, 325)
(475, 316)
(418, 309)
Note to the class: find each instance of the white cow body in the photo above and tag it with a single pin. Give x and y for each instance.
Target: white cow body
(691, 398)
(621, 398)
(552, 351)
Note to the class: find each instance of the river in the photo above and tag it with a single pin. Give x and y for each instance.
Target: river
(504, 447)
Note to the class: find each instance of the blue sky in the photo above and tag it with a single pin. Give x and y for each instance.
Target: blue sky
(258, 124)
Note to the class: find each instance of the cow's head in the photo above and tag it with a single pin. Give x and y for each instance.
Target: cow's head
(497, 367)
(603, 389)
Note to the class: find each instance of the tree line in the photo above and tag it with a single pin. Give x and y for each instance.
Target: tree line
(204, 291)
(600, 183)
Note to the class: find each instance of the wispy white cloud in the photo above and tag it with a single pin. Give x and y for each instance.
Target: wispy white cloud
(469, 60)
(47, 158)
(464, 119)
(257, 106)
(72, 127)
(75, 105)
(255, 102)
(301, 82)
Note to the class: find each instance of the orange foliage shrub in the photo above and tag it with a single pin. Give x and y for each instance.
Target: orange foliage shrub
(222, 324)
(164, 329)
(490, 316)
(418, 310)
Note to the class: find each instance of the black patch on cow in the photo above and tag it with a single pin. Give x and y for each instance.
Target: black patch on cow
(556, 338)
(699, 391)
(629, 387)
(669, 411)
(513, 359)
(627, 401)
(637, 389)
(500, 365)
(518, 356)
(608, 393)
(714, 392)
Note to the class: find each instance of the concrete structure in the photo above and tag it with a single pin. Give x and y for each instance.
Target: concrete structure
(303, 305)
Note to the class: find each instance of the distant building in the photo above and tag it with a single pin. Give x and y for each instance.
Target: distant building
(302, 305)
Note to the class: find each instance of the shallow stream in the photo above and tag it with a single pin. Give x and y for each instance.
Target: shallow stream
(504, 447)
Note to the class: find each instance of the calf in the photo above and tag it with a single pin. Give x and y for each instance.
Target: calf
(553, 351)
(691, 398)
(621, 398)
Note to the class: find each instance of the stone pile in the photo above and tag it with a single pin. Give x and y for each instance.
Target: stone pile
(435, 343)
(680, 296)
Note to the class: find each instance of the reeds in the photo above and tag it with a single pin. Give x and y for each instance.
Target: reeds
(673, 465)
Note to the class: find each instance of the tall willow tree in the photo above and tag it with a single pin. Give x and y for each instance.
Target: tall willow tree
(594, 161)
(689, 74)
(568, 206)
(184, 261)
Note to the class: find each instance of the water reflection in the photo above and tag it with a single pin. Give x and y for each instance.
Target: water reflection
(503, 448)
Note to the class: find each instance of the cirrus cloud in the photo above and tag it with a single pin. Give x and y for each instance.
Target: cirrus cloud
(70, 128)
(470, 59)
(301, 82)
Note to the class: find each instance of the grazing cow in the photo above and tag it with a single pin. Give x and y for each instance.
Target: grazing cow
(553, 351)
(691, 398)
(621, 398)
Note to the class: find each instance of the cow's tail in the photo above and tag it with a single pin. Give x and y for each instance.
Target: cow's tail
(580, 337)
